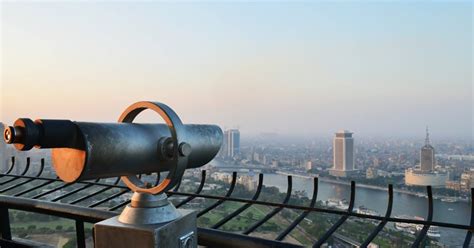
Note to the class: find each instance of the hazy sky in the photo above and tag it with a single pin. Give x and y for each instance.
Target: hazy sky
(295, 68)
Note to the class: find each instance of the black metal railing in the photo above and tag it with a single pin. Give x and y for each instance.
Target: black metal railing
(39, 203)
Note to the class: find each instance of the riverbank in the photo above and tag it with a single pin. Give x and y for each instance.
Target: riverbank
(367, 186)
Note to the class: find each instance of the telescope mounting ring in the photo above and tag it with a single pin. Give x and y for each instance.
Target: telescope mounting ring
(179, 159)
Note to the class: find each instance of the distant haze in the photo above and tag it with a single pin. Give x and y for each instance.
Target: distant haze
(376, 69)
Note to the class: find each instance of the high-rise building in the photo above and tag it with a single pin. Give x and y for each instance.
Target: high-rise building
(231, 143)
(426, 174)
(427, 155)
(343, 154)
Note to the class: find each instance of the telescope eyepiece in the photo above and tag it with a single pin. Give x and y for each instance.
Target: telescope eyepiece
(24, 134)
(10, 135)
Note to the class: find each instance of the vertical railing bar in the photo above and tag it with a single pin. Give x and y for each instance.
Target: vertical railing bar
(328, 234)
(303, 215)
(219, 202)
(467, 240)
(80, 235)
(26, 181)
(157, 181)
(198, 191)
(384, 221)
(176, 188)
(423, 231)
(242, 208)
(27, 167)
(274, 211)
(5, 230)
(117, 180)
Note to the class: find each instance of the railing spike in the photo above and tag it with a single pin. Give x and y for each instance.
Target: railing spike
(429, 218)
(328, 234)
(242, 208)
(198, 191)
(219, 202)
(276, 210)
(303, 215)
(382, 224)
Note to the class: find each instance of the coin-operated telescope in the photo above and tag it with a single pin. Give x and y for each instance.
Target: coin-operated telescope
(86, 150)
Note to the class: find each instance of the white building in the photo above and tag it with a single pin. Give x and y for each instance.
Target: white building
(231, 143)
(419, 178)
(343, 154)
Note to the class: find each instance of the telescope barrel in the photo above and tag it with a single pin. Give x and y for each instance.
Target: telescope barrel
(86, 150)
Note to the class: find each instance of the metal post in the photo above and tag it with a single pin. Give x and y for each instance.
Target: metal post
(80, 236)
(5, 224)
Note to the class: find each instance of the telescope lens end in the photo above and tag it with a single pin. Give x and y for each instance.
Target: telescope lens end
(12, 135)
(8, 135)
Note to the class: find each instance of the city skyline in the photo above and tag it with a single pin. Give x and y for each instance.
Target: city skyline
(296, 69)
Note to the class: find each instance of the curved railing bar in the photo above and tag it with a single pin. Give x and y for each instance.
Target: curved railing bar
(16, 177)
(108, 198)
(125, 190)
(274, 211)
(113, 208)
(328, 234)
(62, 186)
(73, 192)
(242, 208)
(59, 180)
(303, 215)
(201, 186)
(10, 169)
(423, 231)
(34, 188)
(467, 241)
(219, 202)
(198, 191)
(384, 221)
(469, 229)
(117, 180)
(40, 171)
(89, 195)
(326, 210)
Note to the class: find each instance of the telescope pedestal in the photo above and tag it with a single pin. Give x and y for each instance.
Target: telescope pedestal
(149, 221)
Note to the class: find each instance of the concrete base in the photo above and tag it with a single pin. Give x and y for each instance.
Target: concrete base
(179, 233)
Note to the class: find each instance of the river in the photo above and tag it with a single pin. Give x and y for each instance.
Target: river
(375, 199)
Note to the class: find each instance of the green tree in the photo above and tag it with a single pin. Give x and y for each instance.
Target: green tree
(250, 215)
